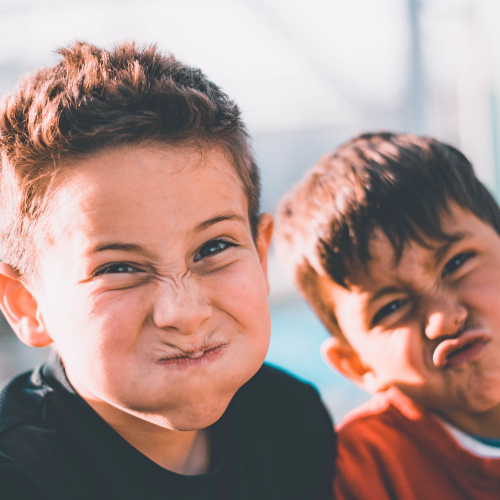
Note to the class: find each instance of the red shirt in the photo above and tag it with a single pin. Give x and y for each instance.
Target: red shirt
(390, 448)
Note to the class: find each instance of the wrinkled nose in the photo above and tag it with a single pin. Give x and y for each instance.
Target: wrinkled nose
(445, 318)
(182, 307)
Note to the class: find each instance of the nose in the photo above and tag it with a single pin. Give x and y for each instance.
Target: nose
(181, 306)
(445, 318)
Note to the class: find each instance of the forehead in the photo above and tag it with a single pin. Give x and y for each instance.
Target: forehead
(133, 190)
(384, 266)
(417, 262)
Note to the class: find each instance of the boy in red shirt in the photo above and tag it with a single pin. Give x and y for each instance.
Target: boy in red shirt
(396, 245)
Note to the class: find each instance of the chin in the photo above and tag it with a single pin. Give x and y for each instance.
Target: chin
(196, 418)
(481, 401)
(483, 393)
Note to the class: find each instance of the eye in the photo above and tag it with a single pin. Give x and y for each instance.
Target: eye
(388, 309)
(212, 247)
(456, 262)
(118, 268)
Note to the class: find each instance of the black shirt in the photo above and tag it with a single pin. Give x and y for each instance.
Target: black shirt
(275, 441)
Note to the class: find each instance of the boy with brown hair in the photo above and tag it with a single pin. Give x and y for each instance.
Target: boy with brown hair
(131, 239)
(396, 245)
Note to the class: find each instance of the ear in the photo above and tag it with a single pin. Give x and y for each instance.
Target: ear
(265, 228)
(20, 308)
(341, 356)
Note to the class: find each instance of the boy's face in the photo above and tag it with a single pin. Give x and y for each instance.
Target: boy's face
(429, 324)
(151, 286)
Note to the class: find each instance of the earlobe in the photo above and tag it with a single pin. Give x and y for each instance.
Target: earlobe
(341, 356)
(20, 309)
(266, 225)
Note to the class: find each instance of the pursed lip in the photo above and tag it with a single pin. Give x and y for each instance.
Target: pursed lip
(460, 350)
(197, 356)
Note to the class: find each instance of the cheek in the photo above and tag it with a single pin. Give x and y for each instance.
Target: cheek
(92, 326)
(115, 310)
(482, 294)
(395, 354)
(240, 291)
(406, 349)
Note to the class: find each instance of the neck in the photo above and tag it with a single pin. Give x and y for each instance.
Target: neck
(183, 452)
(486, 424)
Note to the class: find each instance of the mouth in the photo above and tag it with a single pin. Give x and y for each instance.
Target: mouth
(468, 347)
(201, 356)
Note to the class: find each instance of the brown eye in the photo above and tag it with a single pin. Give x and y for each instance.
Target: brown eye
(120, 267)
(456, 262)
(212, 247)
(388, 309)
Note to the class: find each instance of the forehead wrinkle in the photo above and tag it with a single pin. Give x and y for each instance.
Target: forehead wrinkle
(418, 276)
(436, 250)
(385, 275)
(413, 273)
(429, 257)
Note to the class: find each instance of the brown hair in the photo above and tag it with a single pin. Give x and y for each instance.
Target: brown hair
(95, 99)
(398, 183)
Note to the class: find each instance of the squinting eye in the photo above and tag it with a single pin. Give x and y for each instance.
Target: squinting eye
(213, 247)
(118, 268)
(454, 263)
(388, 309)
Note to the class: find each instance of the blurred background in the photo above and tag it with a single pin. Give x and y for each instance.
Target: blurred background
(308, 76)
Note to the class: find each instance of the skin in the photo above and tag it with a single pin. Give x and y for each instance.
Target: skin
(394, 316)
(153, 292)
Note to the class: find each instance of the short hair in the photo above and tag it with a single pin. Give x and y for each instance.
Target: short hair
(93, 100)
(399, 183)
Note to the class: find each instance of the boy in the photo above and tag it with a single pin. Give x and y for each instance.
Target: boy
(131, 240)
(396, 245)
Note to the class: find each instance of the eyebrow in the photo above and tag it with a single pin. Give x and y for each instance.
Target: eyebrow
(219, 218)
(135, 248)
(441, 251)
(124, 247)
(384, 291)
